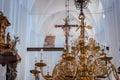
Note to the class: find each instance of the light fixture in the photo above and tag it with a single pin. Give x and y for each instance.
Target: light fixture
(87, 59)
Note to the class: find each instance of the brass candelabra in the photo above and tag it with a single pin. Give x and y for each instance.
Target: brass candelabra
(87, 59)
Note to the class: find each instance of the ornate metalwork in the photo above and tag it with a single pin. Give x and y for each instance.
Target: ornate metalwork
(80, 4)
(87, 59)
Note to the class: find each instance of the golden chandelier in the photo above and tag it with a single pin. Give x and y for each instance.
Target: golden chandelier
(86, 61)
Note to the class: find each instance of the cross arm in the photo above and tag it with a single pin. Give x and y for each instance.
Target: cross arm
(59, 26)
(67, 25)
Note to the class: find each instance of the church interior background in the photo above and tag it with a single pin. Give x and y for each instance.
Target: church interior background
(33, 20)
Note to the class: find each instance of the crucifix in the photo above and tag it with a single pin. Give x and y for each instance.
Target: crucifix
(66, 27)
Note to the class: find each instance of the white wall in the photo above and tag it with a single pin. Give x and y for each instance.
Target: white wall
(111, 27)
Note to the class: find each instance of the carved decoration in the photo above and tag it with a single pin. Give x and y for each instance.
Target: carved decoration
(8, 53)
